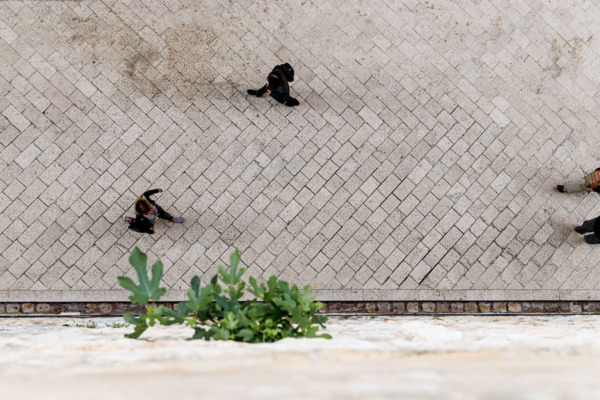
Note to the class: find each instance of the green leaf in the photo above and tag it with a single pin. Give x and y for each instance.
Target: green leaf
(196, 284)
(257, 290)
(235, 259)
(246, 335)
(175, 317)
(139, 325)
(225, 277)
(148, 289)
(221, 301)
(287, 303)
(199, 302)
(230, 322)
(219, 333)
(201, 333)
(233, 276)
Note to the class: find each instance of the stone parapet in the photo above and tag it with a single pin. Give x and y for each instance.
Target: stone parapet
(23, 309)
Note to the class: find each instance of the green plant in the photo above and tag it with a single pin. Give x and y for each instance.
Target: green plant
(116, 325)
(85, 324)
(215, 311)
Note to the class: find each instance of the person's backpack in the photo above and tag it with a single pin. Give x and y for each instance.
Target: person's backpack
(592, 180)
(287, 70)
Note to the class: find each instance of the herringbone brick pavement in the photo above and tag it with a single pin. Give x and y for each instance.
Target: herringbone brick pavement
(420, 163)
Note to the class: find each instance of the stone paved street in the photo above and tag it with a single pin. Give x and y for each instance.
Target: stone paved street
(420, 164)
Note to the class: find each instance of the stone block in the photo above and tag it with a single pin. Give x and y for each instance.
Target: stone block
(90, 308)
(575, 307)
(136, 308)
(412, 308)
(105, 308)
(552, 307)
(499, 306)
(442, 307)
(43, 308)
(537, 307)
(371, 307)
(471, 307)
(358, 307)
(398, 307)
(2, 309)
(485, 307)
(122, 308)
(457, 307)
(12, 309)
(428, 307)
(74, 307)
(58, 308)
(28, 308)
(533, 307)
(591, 306)
(384, 307)
(514, 307)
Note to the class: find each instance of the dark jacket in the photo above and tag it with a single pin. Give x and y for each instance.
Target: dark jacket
(282, 93)
(141, 223)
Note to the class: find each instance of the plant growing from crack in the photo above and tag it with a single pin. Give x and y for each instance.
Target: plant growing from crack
(215, 311)
(84, 324)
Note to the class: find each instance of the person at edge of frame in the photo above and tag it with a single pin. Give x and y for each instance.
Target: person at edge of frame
(590, 226)
(591, 182)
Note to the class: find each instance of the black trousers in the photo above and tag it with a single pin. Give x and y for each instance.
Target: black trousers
(588, 226)
(290, 102)
(261, 91)
(162, 214)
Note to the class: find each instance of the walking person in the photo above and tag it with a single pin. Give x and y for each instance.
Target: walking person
(591, 182)
(590, 226)
(278, 85)
(146, 211)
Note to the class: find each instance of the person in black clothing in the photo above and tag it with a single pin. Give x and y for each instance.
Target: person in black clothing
(146, 211)
(590, 226)
(277, 85)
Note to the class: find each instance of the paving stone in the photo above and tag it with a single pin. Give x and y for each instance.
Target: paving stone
(423, 155)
